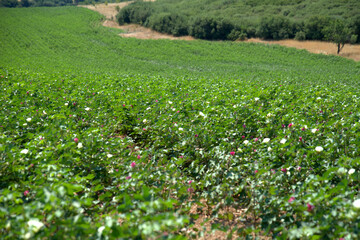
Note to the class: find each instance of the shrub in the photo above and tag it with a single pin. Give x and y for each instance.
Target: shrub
(353, 38)
(275, 28)
(210, 29)
(138, 12)
(8, 3)
(300, 36)
(314, 27)
(170, 23)
(355, 26)
(237, 35)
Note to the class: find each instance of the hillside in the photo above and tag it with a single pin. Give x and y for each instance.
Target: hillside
(240, 19)
(104, 137)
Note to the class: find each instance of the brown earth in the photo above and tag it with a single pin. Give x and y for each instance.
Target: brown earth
(137, 31)
(349, 50)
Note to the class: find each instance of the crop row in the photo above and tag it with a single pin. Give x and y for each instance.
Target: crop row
(129, 156)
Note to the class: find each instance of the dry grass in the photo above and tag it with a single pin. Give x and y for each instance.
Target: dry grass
(349, 51)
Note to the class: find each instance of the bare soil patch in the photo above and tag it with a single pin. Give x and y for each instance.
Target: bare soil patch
(108, 10)
(349, 51)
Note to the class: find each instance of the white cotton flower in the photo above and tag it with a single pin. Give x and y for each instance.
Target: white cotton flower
(109, 155)
(44, 112)
(100, 230)
(170, 102)
(144, 121)
(27, 235)
(283, 141)
(87, 109)
(66, 104)
(269, 149)
(246, 142)
(79, 145)
(202, 114)
(319, 149)
(28, 119)
(257, 99)
(351, 171)
(313, 130)
(356, 203)
(266, 140)
(24, 151)
(305, 126)
(25, 124)
(35, 225)
(181, 129)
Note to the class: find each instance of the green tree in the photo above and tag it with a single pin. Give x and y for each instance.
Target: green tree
(338, 33)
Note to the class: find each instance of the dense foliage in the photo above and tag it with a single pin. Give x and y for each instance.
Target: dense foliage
(51, 3)
(104, 137)
(237, 19)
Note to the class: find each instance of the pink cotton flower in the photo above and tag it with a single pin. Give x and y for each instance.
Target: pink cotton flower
(181, 157)
(190, 181)
(242, 137)
(190, 190)
(300, 139)
(244, 126)
(133, 164)
(144, 129)
(26, 193)
(256, 171)
(310, 207)
(283, 170)
(256, 139)
(290, 125)
(124, 105)
(138, 156)
(291, 199)
(128, 177)
(196, 135)
(76, 140)
(232, 153)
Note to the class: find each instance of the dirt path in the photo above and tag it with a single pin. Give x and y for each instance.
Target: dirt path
(137, 31)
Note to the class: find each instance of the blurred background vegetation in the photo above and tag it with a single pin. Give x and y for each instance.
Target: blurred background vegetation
(241, 19)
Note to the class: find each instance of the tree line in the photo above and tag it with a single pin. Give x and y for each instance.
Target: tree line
(272, 27)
